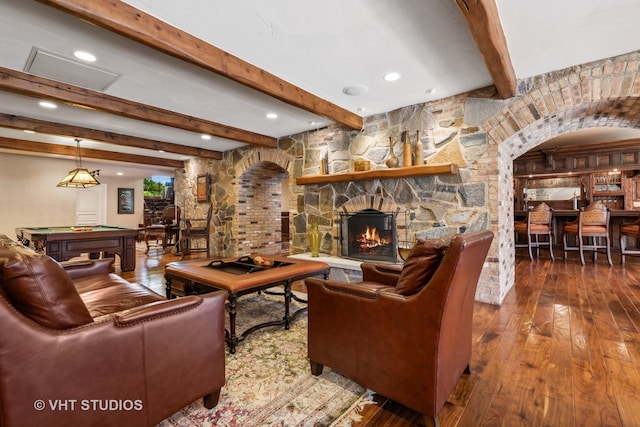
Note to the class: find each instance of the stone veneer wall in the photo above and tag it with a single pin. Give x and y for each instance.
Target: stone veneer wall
(434, 205)
(437, 205)
(480, 134)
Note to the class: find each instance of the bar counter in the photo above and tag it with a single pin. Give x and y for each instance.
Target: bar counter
(561, 217)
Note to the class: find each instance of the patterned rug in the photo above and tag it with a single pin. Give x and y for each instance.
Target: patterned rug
(268, 380)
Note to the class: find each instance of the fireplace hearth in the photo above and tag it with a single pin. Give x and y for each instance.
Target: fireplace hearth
(368, 235)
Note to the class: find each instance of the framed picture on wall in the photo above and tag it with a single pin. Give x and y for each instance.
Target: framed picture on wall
(125, 200)
(202, 188)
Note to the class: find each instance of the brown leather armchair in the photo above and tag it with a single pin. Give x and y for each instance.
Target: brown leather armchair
(403, 334)
(80, 346)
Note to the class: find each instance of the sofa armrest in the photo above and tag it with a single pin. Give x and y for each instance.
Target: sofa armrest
(156, 310)
(83, 268)
(382, 273)
(166, 362)
(360, 289)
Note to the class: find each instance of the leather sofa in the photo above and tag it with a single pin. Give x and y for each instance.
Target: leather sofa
(404, 333)
(80, 346)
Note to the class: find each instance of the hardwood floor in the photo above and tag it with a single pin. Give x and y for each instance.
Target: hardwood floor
(562, 350)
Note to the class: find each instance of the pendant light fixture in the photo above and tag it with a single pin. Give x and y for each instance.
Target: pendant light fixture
(79, 177)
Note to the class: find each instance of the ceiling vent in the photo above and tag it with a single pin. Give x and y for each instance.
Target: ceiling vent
(56, 67)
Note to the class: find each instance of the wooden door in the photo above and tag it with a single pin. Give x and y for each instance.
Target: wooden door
(91, 205)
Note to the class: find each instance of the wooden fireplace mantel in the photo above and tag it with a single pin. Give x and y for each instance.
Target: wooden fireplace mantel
(391, 173)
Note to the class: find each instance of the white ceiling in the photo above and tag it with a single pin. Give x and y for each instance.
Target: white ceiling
(321, 47)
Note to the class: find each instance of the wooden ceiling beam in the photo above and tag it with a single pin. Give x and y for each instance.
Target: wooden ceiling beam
(484, 22)
(71, 131)
(86, 153)
(126, 20)
(36, 86)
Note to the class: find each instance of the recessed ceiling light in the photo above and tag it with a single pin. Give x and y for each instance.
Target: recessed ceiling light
(205, 136)
(362, 109)
(392, 77)
(85, 56)
(272, 116)
(119, 173)
(47, 104)
(312, 123)
(160, 151)
(28, 131)
(430, 91)
(355, 90)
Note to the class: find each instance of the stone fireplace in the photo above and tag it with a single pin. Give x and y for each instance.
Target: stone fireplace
(368, 235)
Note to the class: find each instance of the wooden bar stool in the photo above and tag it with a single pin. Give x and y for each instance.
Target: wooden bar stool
(592, 224)
(629, 230)
(539, 222)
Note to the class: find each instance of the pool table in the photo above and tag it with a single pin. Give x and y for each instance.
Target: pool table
(63, 243)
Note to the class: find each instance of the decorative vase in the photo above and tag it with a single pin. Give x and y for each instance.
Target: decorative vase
(314, 240)
(392, 161)
(419, 150)
(406, 150)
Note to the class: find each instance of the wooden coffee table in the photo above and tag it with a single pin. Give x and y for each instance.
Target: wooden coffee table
(241, 276)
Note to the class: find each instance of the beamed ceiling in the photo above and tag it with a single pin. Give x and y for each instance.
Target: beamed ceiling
(168, 72)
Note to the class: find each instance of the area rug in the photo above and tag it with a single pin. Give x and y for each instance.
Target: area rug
(268, 380)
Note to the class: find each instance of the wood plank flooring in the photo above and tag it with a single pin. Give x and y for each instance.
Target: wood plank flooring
(562, 350)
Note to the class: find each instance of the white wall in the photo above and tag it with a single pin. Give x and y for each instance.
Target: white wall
(121, 220)
(29, 196)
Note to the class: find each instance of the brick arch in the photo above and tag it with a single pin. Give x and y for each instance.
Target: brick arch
(271, 155)
(601, 94)
(256, 230)
(367, 201)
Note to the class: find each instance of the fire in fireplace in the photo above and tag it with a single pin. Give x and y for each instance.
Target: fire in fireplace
(371, 239)
(368, 235)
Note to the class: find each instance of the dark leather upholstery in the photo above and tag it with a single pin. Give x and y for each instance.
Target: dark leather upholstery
(140, 357)
(40, 289)
(412, 349)
(421, 263)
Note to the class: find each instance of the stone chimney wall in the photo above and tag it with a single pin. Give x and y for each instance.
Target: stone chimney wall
(429, 206)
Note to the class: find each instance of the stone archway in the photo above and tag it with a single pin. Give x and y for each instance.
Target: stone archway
(254, 156)
(369, 201)
(600, 94)
(257, 225)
